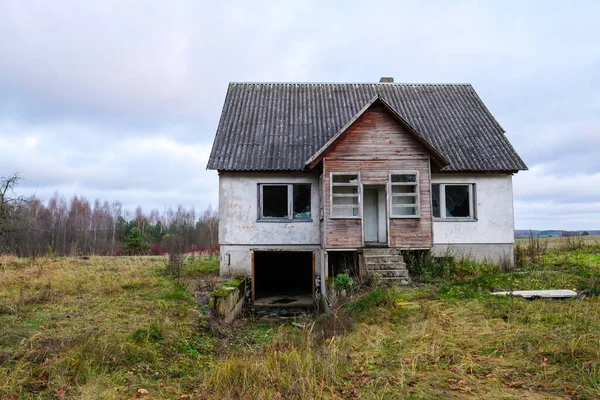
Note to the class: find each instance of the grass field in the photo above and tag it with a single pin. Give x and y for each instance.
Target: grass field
(116, 328)
(559, 242)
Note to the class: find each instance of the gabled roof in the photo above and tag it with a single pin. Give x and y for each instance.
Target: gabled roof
(281, 126)
(438, 158)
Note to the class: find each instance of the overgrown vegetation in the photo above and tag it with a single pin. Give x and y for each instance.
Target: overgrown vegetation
(109, 326)
(343, 282)
(572, 265)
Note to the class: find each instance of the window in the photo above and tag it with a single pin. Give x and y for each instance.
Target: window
(345, 200)
(275, 201)
(453, 201)
(284, 201)
(301, 202)
(404, 195)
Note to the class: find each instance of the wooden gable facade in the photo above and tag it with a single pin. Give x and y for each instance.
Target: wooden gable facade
(375, 146)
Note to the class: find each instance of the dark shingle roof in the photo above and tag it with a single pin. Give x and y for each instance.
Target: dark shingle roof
(279, 126)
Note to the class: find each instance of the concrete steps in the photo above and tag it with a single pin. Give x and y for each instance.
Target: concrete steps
(387, 264)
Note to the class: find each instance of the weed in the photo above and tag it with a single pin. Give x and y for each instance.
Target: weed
(152, 334)
(536, 248)
(571, 243)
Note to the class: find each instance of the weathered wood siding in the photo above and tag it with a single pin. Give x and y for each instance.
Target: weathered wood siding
(373, 146)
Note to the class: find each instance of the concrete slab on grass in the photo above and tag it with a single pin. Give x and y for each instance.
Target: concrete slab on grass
(542, 294)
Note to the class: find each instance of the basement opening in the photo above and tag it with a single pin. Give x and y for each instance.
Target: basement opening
(342, 262)
(283, 274)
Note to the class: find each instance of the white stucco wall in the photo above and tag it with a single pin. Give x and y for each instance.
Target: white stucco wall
(238, 212)
(492, 233)
(240, 232)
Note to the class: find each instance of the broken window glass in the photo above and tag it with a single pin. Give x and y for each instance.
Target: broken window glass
(275, 201)
(404, 178)
(457, 201)
(341, 178)
(301, 201)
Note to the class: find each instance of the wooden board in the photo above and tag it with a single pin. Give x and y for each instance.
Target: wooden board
(374, 146)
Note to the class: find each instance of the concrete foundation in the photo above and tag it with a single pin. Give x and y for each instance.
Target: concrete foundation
(227, 302)
(495, 252)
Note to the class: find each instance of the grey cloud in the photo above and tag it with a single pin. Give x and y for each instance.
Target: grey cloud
(89, 79)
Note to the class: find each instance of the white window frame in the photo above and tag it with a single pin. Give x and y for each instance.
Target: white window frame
(442, 200)
(358, 194)
(290, 199)
(416, 194)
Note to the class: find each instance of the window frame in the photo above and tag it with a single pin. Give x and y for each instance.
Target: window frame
(290, 203)
(416, 194)
(358, 195)
(442, 201)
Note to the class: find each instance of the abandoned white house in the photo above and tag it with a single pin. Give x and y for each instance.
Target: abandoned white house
(312, 173)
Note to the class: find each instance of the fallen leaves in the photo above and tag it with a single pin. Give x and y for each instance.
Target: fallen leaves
(459, 385)
(60, 394)
(464, 389)
(514, 384)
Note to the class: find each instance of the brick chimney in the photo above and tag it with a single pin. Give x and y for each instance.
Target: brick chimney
(386, 79)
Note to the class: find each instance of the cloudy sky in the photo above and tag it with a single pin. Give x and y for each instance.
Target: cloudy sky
(119, 100)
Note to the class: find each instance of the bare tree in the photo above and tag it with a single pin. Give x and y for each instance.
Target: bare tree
(31, 226)
(208, 228)
(11, 217)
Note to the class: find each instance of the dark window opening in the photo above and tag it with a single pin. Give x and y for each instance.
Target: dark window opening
(285, 201)
(404, 178)
(452, 201)
(435, 199)
(275, 201)
(342, 262)
(279, 273)
(302, 201)
(457, 201)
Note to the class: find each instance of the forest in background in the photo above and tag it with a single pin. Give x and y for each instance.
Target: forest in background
(30, 226)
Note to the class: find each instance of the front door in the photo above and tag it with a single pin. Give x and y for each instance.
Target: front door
(371, 215)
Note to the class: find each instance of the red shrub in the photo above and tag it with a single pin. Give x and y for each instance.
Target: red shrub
(156, 250)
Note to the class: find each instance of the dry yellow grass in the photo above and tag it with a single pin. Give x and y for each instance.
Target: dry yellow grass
(561, 242)
(104, 328)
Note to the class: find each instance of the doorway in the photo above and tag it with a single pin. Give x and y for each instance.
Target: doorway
(374, 214)
(283, 274)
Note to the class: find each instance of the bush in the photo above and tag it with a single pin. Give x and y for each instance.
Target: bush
(156, 250)
(424, 267)
(422, 264)
(343, 282)
(176, 246)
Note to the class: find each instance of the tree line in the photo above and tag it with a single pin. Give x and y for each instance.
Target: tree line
(33, 227)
